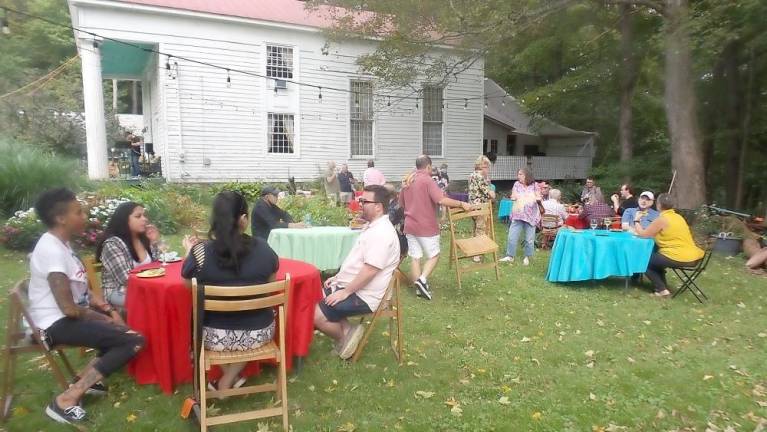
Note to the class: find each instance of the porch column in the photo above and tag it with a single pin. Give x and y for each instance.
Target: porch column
(95, 121)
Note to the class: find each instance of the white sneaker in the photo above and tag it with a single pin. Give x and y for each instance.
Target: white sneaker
(525, 261)
(507, 259)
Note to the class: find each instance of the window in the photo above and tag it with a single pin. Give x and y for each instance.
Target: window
(484, 146)
(432, 120)
(281, 134)
(361, 118)
(279, 62)
(494, 146)
(511, 144)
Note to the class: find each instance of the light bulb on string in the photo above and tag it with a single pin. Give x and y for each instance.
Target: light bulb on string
(416, 103)
(356, 100)
(485, 102)
(167, 65)
(175, 66)
(388, 103)
(228, 79)
(465, 103)
(319, 96)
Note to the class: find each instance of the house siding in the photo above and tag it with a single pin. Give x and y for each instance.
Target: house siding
(207, 131)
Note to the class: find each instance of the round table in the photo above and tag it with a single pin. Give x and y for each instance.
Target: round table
(324, 247)
(161, 310)
(581, 255)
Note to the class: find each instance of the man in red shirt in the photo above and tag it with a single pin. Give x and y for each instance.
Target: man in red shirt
(421, 198)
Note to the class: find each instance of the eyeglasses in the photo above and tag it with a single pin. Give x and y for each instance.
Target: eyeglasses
(364, 201)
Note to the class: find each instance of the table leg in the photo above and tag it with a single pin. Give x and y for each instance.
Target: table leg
(298, 364)
(627, 282)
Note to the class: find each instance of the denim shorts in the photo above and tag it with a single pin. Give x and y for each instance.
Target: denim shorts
(350, 306)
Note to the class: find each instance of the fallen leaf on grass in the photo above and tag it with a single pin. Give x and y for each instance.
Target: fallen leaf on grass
(131, 418)
(347, 427)
(424, 394)
(536, 416)
(504, 400)
(589, 353)
(762, 404)
(592, 396)
(707, 377)
(456, 411)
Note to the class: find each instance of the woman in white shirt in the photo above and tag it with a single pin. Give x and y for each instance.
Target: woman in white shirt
(128, 242)
(63, 310)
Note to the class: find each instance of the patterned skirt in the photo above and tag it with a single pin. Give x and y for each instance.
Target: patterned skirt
(216, 339)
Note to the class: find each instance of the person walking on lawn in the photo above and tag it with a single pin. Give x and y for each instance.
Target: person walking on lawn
(421, 198)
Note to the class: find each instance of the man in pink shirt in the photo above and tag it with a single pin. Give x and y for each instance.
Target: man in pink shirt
(361, 283)
(372, 175)
(421, 198)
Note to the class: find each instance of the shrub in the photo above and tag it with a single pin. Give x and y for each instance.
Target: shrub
(251, 191)
(22, 230)
(321, 210)
(25, 172)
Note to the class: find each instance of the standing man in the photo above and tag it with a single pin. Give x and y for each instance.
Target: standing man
(591, 191)
(331, 183)
(421, 198)
(629, 201)
(346, 181)
(361, 283)
(267, 215)
(135, 154)
(545, 188)
(372, 175)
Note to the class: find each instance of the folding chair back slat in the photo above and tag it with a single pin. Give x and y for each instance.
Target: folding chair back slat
(465, 249)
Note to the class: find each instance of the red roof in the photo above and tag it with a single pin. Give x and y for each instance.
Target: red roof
(281, 11)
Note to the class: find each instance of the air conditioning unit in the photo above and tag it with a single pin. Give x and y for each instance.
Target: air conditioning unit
(281, 84)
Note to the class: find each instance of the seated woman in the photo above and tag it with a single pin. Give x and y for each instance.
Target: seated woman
(233, 258)
(675, 246)
(552, 206)
(128, 242)
(64, 310)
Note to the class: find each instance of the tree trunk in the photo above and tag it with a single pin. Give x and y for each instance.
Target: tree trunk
(745, 133)
(732, 124)
(686, 151)
(629, 74)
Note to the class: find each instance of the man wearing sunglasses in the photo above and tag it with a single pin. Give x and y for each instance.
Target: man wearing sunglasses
(364, 276)
(421, 198)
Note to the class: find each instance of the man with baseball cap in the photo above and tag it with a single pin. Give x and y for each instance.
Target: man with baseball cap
(648, 214)
(267, 215)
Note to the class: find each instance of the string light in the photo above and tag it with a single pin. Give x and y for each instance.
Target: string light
(416, 103)
(388, 103)
(228, 79)
(465, 103)
(319, 96)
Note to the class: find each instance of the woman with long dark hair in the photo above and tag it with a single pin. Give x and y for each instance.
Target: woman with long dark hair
(128, 242)
(232, 257)
(525, 215)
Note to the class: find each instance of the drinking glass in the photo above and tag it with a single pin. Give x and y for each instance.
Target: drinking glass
(593, 223)
(163, 247)
(607, 223)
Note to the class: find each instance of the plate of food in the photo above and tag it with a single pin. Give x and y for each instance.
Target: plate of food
(151, 273)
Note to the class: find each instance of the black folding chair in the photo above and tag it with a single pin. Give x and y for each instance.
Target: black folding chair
(688, 275)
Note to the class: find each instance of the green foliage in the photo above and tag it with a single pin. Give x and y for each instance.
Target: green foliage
(21, 231)
(321, 210)
(251, 191)
(26, 171)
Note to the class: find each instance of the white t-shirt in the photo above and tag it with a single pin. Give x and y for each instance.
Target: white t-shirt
(51, 255)
(378, 246)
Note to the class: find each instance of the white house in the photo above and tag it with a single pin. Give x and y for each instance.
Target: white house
(552, 151)
(211, 125)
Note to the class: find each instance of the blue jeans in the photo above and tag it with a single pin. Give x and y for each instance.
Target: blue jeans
(135, 168)
(517, 226)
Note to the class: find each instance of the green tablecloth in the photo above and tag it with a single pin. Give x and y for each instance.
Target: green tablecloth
(324, 247)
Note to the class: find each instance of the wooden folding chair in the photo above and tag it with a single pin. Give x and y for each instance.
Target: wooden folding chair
(17, 341)
(688, 275)
(549, 229)
(391, 308)
(93, 271)
(208, 298)
(465, 249)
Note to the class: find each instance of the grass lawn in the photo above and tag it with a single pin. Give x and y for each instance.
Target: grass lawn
(511, 355)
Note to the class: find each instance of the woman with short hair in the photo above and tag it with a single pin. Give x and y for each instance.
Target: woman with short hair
(480, 190)
(673, 238)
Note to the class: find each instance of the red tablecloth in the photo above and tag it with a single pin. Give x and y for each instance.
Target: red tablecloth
(161, 310)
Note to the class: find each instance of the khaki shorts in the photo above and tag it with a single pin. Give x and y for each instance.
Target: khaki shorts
(417, 247)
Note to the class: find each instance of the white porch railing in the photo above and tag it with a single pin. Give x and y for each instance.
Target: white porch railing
(542, 167)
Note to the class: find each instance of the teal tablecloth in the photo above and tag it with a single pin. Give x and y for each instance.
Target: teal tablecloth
(584, 255)
(504, 208)
(324, 247)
